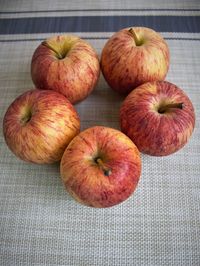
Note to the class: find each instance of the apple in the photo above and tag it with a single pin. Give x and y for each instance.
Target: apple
(66, 64)
(39, 125)
(159, 117)
(134, 56)
(101, 167)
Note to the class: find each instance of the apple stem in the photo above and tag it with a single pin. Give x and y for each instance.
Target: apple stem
(136, 39)
(45, 43)
(166, 107)
(105, 169)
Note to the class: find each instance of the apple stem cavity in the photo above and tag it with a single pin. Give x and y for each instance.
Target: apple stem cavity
(58, 55)
(165, 108)
(105, 169)
(138, 42)
(25, 119)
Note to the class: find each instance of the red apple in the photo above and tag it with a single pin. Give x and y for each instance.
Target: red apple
(158, 117)
(101, 167)
(39, 125)
(66, 64)
(134, 56)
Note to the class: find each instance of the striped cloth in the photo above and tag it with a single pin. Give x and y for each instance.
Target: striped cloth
(40, 224)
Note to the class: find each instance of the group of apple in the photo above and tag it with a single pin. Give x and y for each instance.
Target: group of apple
(100, 166)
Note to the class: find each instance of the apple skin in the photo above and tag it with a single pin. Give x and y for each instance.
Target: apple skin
(87, 181)
(74, 75)
(39, 125)
(155, 133)
(126, 63)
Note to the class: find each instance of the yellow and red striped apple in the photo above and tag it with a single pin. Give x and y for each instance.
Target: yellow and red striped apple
(66, 64)
(39, 125)
(101, 167)
(134, 56)
(159, 117)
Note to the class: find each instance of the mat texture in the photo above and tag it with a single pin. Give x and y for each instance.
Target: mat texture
(40, 224)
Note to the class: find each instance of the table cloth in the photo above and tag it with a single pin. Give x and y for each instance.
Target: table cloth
(40, 224)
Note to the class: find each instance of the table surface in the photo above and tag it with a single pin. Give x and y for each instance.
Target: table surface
(40, 223)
